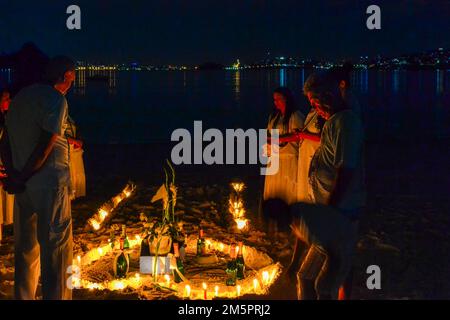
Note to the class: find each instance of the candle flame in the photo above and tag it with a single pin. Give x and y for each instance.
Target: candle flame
(103, 214)
(204, 286)
(95, 224)
(255, 284)
(265, 277)
(241, 223)
(238, 290)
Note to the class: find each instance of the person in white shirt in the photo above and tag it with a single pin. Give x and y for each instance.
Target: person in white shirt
(34, 151)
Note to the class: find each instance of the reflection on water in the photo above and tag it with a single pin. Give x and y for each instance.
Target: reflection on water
(147, 106)
(237, 85)
(395, 81)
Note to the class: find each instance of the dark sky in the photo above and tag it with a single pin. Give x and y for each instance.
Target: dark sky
(194, 31)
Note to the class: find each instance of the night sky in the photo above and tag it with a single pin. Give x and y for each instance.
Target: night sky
(195, 31)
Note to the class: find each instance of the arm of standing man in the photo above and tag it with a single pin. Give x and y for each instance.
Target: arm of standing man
(15, 182)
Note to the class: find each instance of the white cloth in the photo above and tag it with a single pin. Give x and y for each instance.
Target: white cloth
(283, 184)
(341, 146)
(77, 174)
(36, 108)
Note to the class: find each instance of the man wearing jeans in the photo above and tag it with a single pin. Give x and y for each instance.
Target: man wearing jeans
(35, 153)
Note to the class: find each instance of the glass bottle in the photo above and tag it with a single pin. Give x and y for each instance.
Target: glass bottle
(231, 267)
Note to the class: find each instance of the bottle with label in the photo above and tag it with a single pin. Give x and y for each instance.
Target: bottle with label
(121, 263)
(240, 262)
(126, 243)
(231, 267)
(201, 245)
(176, 276)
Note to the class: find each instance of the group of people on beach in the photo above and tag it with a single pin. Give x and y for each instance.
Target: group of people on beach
(42, 168)
(319, 189)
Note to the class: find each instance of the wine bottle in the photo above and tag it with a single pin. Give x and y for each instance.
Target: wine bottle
(180, 267)
(126, 243)
(121, 263)
(231, 267)
(145, 248)
(240, 263)
(201, 245)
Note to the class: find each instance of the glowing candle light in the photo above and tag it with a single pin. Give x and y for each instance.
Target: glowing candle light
(221, 247)
(216, 291)
(95, 224)
(119, 285)
(167, 278)
(137, 276)
(100, 251)
(79, 261)
(127, 193)
(238, 290)
(241, 223)
(205, 292)
(103, 214)
(187, 290)
(265, 277)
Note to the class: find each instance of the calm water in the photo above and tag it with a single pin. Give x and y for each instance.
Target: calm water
(141, 107)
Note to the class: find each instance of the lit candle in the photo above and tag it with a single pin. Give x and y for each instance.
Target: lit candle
(79, 261)
(255, 284)
(167, 277)
(216, 291)
(205, 292)
(100, 251)
(102, 213)
(95, 224)
(187, 290)
(238, 290)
